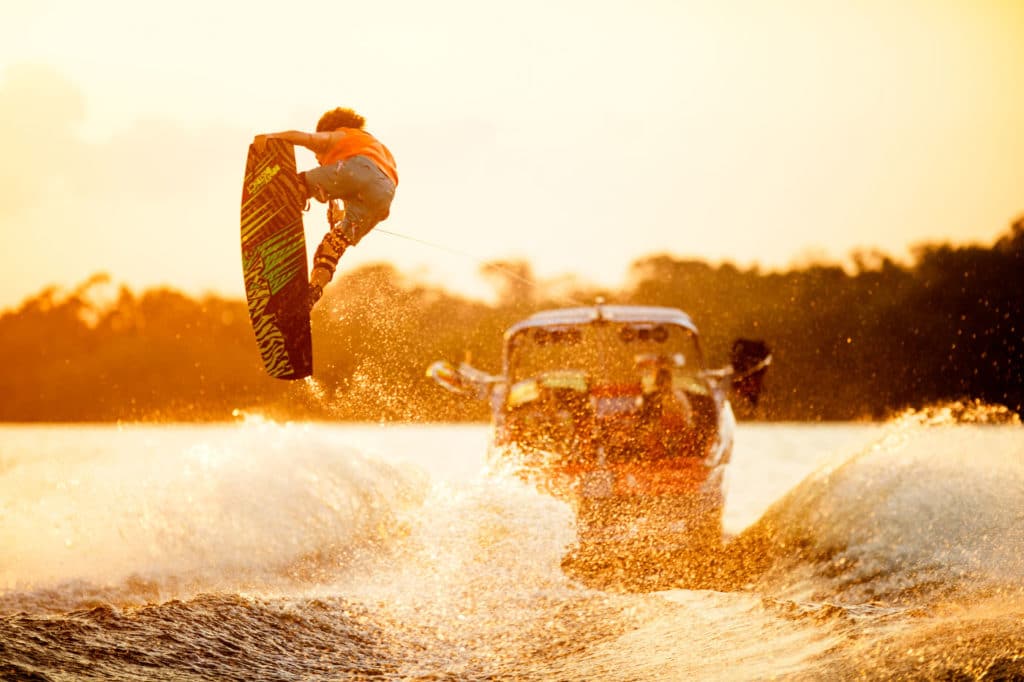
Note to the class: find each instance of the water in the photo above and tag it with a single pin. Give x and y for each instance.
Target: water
(324, 552)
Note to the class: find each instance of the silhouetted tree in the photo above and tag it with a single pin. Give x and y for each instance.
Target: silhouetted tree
(848, 343)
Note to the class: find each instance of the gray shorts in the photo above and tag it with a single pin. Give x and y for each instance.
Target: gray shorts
(363, 187)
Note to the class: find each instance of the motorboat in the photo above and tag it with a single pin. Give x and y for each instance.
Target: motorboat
(612, 409)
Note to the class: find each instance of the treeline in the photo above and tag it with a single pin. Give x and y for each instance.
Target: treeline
(849, 343)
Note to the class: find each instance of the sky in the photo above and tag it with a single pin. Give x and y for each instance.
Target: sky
(577, 135)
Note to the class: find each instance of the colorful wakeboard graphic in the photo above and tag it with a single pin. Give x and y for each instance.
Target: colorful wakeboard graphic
(274, 261)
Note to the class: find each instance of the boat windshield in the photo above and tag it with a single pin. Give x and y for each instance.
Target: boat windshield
(608, 353)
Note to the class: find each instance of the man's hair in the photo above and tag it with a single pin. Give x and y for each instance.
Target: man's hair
(339, 118)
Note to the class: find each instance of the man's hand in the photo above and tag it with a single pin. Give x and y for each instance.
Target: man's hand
(259, 143)
(315, 142)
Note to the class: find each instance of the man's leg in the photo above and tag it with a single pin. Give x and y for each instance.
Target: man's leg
(314, 190)
(367, 194)
(325, 184)
(325, 261)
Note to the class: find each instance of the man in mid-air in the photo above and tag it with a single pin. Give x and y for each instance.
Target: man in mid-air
(355, 168)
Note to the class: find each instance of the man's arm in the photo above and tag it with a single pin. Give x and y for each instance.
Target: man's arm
(315, 142)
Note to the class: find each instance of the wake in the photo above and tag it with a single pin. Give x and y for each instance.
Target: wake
(934, 508)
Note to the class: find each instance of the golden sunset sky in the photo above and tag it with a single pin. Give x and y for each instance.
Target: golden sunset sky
(579, 135)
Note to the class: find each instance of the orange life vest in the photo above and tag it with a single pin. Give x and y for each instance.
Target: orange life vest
(357, 142)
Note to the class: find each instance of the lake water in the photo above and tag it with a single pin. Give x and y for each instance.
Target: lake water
(270, 551)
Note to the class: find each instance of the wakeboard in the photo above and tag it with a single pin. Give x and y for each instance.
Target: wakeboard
(274, 261)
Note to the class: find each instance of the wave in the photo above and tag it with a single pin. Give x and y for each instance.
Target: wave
(270, 551)
(933, 508)
(168, 512)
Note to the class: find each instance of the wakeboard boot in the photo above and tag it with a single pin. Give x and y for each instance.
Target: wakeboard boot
(325, 261)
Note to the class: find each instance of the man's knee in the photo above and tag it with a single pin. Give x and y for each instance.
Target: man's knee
(357, 224)
(312, 189)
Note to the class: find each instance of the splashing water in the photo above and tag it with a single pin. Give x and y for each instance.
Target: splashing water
(205, 507)
(935, 503)
(269, 551)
